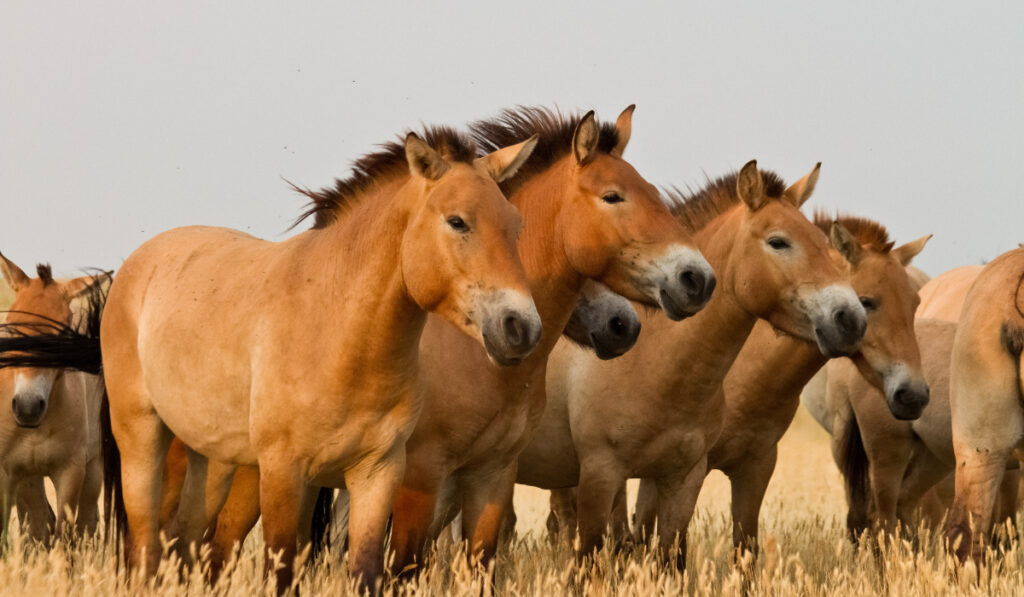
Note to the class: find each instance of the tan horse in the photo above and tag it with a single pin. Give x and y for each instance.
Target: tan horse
(653, 412)
(762, 388)
(889, 464)
(301, 356)
(52, 426)
(986, 396)
(943, 296)
(588, 214)
(603, 321)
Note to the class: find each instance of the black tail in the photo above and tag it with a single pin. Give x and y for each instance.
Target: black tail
(115, 514)
(320, 532)
(853, 464)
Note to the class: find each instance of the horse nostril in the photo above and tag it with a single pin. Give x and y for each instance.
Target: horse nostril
(617, 326)
(514, 332)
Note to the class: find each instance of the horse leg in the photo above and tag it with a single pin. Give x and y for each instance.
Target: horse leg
(413, 517)
(1007, 511)
(677, 498)
(202, 495)
(484, 497)
(886, 473)
(646, 514)
(562, 517)
(371, 486)
(600, 481)
(282, 491)
(924, 472)
(236, 518)
(143, 442)
(620, 518)
(748, 484)
(175, 468)
(34, 509)
(89, 502)
(68, 484)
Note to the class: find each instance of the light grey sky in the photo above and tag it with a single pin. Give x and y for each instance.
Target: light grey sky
(119, 120)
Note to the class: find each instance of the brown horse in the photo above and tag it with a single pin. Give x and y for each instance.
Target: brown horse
(319, 386)
(986, 396)
(603, 321)
(52, 427)
(653, 412)
(762, 388)
(588, 214)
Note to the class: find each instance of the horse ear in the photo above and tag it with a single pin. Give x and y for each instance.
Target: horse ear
(843, 241)
(79, 286)
(585, 138)
(906, 253)
(623, 129)
(800, 191)
(505, 162)
(13, 274)
(750, 186)
(423, 160)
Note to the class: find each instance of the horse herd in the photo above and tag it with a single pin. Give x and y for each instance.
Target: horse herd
(465, 314)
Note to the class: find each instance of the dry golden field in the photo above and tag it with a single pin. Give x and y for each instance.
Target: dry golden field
(805, 553)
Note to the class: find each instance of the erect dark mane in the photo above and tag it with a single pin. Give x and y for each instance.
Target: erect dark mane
(867, 233)
(554, 130)
(45, 273)
(384, 164)
(696, 209)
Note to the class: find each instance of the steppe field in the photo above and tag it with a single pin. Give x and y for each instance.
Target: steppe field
(805, 552)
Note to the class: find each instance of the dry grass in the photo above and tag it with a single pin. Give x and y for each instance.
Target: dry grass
(805, 552)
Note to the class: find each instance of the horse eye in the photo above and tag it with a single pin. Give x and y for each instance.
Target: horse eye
(458, 224)
(612, 198)
(868, 303)
(778, 243)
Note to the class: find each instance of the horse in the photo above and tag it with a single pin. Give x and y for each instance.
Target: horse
(986, 394)
(602, 321)
(761, 392)
(588, 214)
(320, 386)
(53, 426)
(889, 464)
(943, 296)
(652, 412)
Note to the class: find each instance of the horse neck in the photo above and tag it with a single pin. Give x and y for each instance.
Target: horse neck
(350, 274)
(709, 342)
(554, 284)
(770, 372)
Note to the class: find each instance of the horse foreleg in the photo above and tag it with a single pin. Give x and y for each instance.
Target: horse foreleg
(748, 484)
(562, 517)
(282, 493)
(371, 486)
(677, 498)
(599, 483)
(412, 518)
(646, 514)
(88, 503)
(34, 509)
(68, 484)
(236, 518)
(484, 498)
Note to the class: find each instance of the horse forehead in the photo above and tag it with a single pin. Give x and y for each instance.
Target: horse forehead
(465, 187)
(40, 300)
(609, 171)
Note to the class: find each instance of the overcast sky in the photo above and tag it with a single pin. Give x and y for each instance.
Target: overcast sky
(119, 120)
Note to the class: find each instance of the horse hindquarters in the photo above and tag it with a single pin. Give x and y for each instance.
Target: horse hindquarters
(988, 423)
